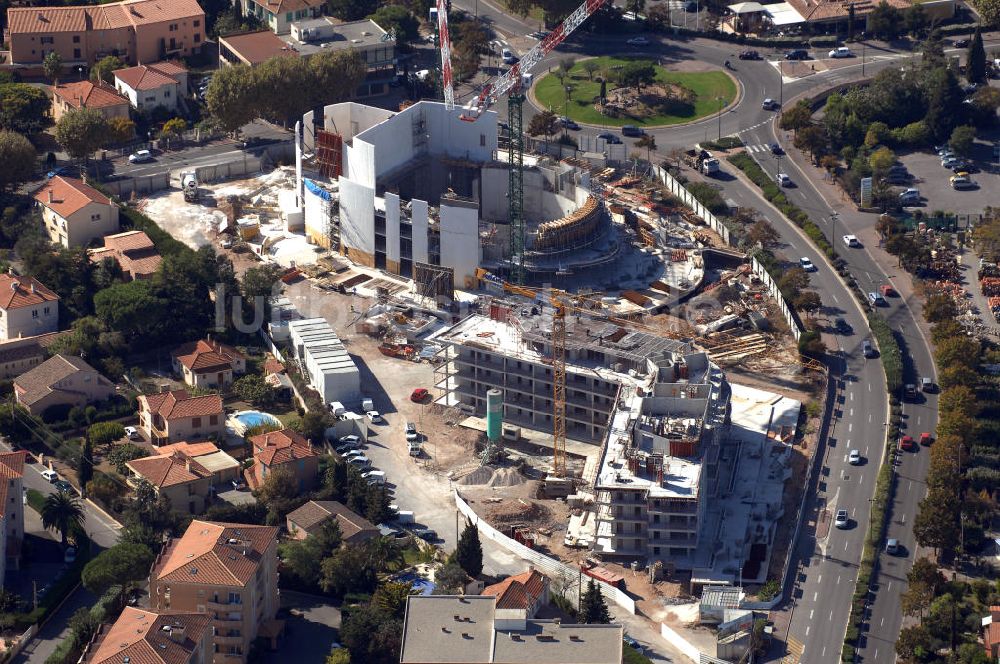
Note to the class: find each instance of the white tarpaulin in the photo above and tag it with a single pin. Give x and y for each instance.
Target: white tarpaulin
(783, 14)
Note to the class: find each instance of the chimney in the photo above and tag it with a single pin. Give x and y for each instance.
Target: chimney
(187, 463)
(32, 286)
(14, 285)
(177, 633)
(52, 197)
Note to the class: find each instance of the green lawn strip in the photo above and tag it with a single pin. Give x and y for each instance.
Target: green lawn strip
(706, 86)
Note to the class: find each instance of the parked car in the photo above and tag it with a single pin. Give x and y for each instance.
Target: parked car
(610, 138)
(910, 391)
(419, 394)
(352, 439)
(854, 458)
(909, 196)
(632, 130)
(841, 520)
(50, 475)
(427, 534)
(950, 162)
(783, 179)
(926, 438)
(927, 384)
(632, 643)
(841, 52)
(508, 57)
(238, 484)
(797, 54)
(411, 432)
(374, 416)
(350, 454)
(63, 486)
(374, 476)
(771, 105)
(807, 264)
(749, 54)
(347, 447)
(892, 547)
(852, 241)
(962, 182)
(568, 123)
(960, 43)
(140, 157)
(637, 41)
(361, 461)
(132, 433)
(887, 290)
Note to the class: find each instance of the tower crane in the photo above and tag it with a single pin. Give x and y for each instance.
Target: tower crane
(511, 84)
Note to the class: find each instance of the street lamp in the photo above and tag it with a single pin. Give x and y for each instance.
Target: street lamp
(720, 100)
(864, 48)
(833, 233)
(871, 521)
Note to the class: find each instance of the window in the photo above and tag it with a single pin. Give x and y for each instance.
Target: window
(76, 53)
(196, 23)
(45, 311)
(196, 422)
(45, 40)
(482, 140)
(197, 38)
(235, 598)
(213, 419)
(166, 94)
(95, 217)
(76, 39)
(34, 313)
(288, 16)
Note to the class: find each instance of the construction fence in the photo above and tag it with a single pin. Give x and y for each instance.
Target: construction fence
(772, 289)
(141, 186)
(544, 564)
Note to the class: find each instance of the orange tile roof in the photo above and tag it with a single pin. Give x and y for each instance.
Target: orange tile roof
(169, 67)
(127, 14)
(65, 196)
(518, 592)
(189, 449)
(224, 554)
(818, 10)
(278, 6)
(272, 365)
(277, 447)
(133, 250)
(206, 355)
(166, 470)
(23, 291)
(84, 94)
(178, 403)
(144, 77)
(11, 468)
(146, 636)
(257, 47)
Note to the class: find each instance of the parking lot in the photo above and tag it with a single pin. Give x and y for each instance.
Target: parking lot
(935, 189)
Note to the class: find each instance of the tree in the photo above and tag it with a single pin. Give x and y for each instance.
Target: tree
(635, 6)
(450, 578)
(17, 155)
(915, 19)
(313, 425)
(975, 62)
(399, 20)
(544, 123)
(813, 140)
(371, 635)
(348, 570)
(123, 564)
(882, 159)
(763, 233)
(103, 68)
(962, 139)
(914, 644)
(469, 552)
(593, 608)
(958, 376)
(939, 307)
(173, 128)
(23, 108)
(390, 598)
(85, 467)
(252, 389)
(958, 400)
(62, 512)
(120, 130)
(989, 12)
(350, 10)
(944, 102)
(122, 454)
(258, 283)
(637, 73)
(131, 308)
(884, 21)
(339, 656)
(231, 96)
(304, 558)
(590, 67)
(647, 141)
(807, 301)
(105, 433)
(81, 131)
(936, 523)
(797, 117)
(283, 89)
(925, 571)
(985, 103)
(280, 493)
(958, 351)
(52, 66)
(878, 133)
(916, 599)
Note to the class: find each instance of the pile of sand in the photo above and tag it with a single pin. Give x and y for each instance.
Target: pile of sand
(507, 477)
(481, 475)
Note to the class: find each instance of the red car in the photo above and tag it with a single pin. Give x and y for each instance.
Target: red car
(926, 438)
(907, 443)
(418, 395)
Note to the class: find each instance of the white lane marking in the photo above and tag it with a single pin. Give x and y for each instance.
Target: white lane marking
(811, 611)
(831, 615)
(890, 587)
(852, 412)
(845, 546)
(838, 583)
(819, 579)
(815, 595)
(852, 399)
(869, 387)
(807, 630)
(881, 622)
(866, 450)
(918, 420)
(850, 426)
(869, 417)
(902, 519)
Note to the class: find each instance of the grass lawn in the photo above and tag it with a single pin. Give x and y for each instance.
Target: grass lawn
(632, 656)
(706, 86)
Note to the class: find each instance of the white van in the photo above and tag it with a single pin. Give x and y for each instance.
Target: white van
(367, 404)
(413, 448)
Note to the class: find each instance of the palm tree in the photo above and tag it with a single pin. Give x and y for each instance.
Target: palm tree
(384, 554)
(62, 512)
(52, 66)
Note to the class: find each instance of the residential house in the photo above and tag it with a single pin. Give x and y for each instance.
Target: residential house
(20, 355)
(208, 363)
(27, 308)
(160, 84)
(100, 97)
(283, 449)
(528, 591)
(61, 380)
(309, 518)
(74, 213)
(991, 634)
(133, 251)
(180, 478)
(253, 48)
(230, 572)
(11, 510)
(153, 637)
(137, 31)
(279, 14)
(170, 417)
(467, 629)
(223, 467)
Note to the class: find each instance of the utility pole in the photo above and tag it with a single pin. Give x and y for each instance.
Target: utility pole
(864, 48)
(833, 233)
(720, 100)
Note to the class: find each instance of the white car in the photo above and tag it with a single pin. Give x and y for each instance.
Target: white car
(770, 105)
(374, 416)
(350, 454)
(854, 458)
(132, 433)
(638, 41)
(840, 52)
(909, 196)
(962, 182)
(362, 461)
(783, 179)
(411, 432)
(50, 475)
(508, 57)
(841, 520)
(140, 157)
(950, 162)
(851, 241)
(807, 265)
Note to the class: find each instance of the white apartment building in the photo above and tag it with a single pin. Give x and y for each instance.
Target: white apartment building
(74, 213)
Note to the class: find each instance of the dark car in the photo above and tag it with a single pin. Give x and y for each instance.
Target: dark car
(776, 149)
(427, 535)
(797, 54)
(842, 326)
(632, 130)
(960, 43)
(749, 55)
(609, 137)
(63, 486)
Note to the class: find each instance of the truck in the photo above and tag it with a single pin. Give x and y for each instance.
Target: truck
(367, 404)
(189, 185)
(337, 409)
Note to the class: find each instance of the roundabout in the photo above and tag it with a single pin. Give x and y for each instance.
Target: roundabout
(638, 92)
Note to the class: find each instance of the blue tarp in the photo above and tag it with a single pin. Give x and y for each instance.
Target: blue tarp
(318, 190)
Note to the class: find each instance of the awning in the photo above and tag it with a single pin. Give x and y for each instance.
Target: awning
(784, 14)
(746, 7)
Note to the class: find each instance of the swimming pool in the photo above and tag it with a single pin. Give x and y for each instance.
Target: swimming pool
(253, 418)
(420, 584)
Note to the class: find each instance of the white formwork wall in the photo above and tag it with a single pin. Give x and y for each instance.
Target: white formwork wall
(330, 369)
